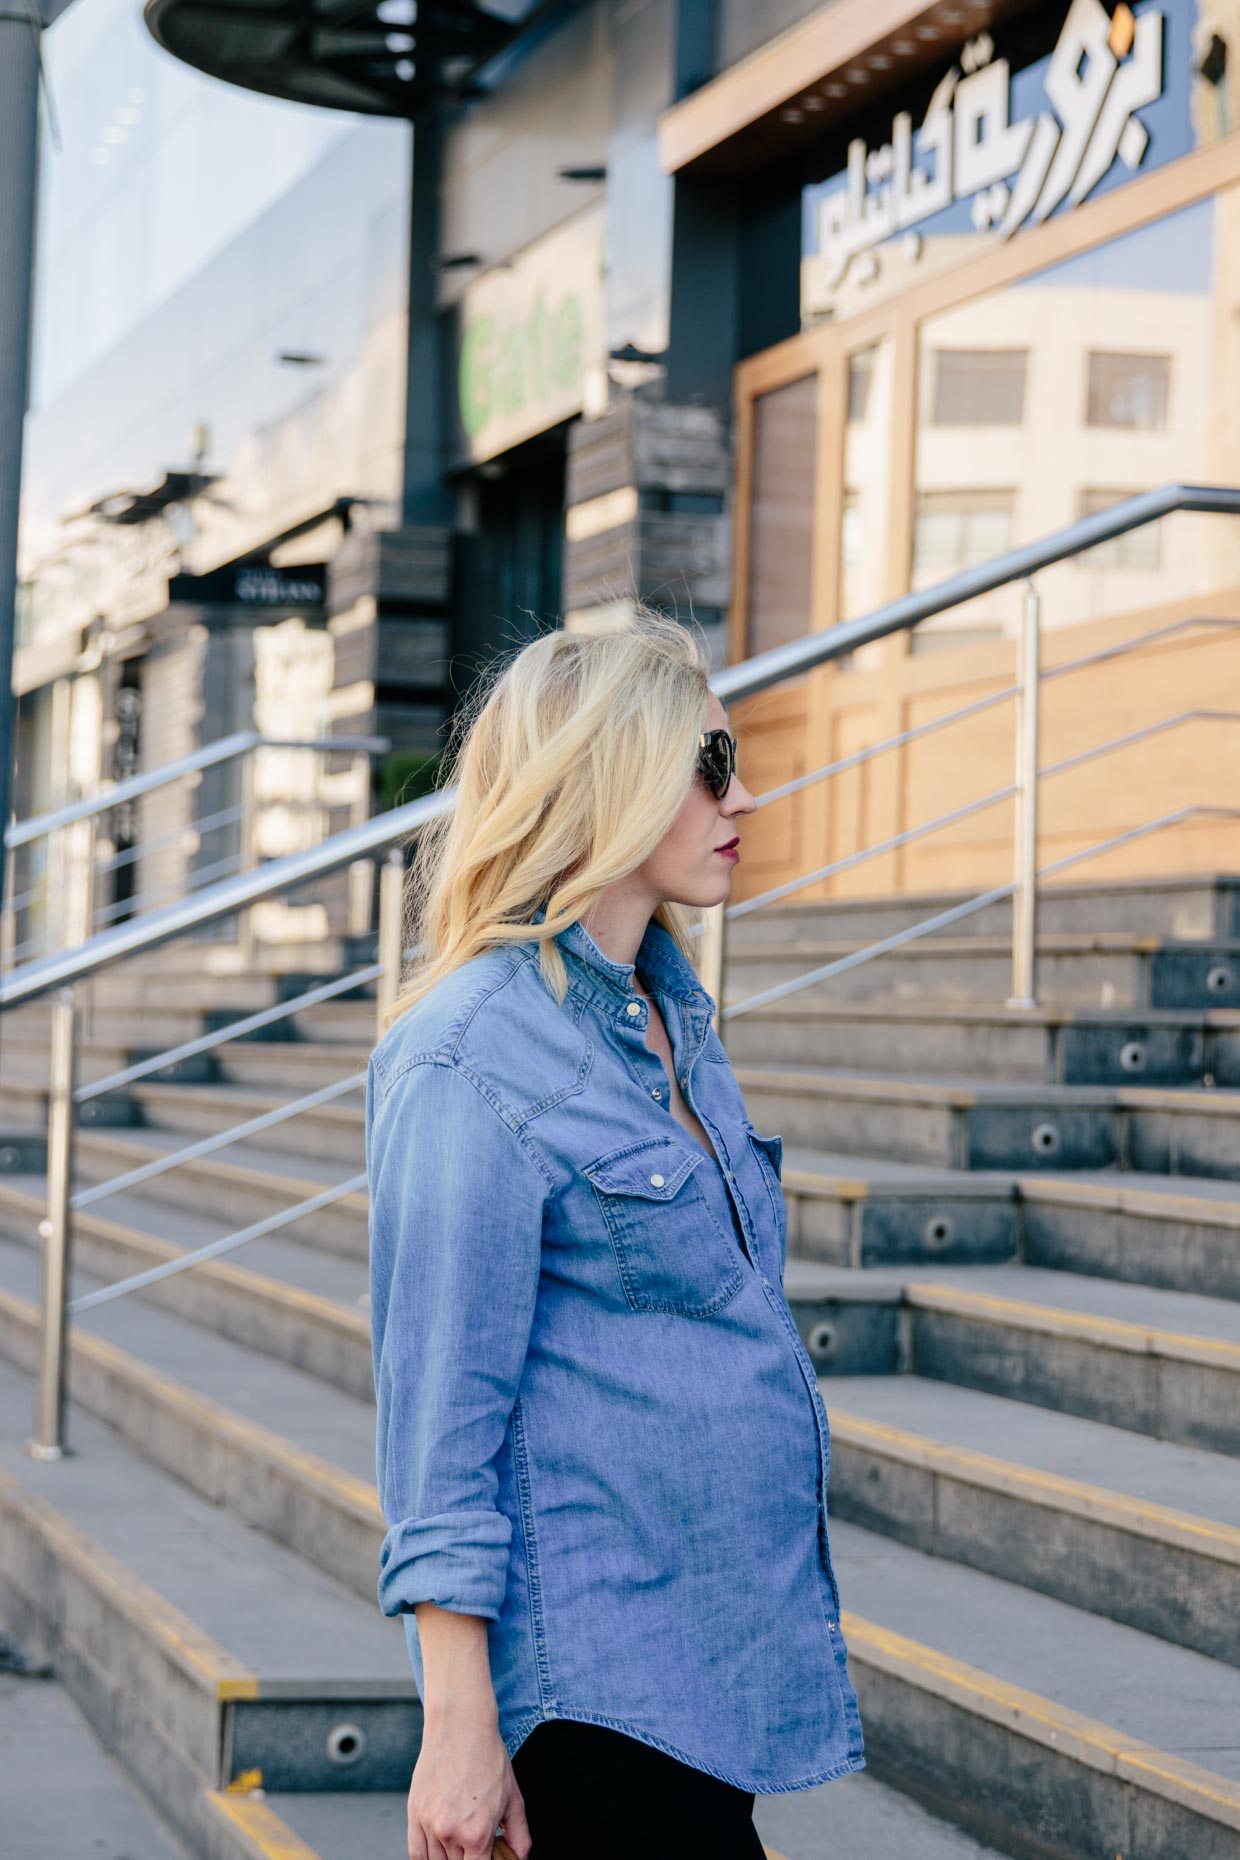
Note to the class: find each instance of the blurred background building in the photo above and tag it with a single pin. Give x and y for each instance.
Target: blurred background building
(766, 313)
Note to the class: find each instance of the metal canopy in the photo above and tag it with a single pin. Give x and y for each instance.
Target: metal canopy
(378, 57)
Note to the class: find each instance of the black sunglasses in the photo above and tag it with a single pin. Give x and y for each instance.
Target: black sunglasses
(716, 760)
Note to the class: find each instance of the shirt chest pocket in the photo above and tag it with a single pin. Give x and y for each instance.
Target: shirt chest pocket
(671, 1252)
(769, 1153)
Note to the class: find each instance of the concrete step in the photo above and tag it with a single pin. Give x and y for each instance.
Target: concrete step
(1160, 1363)
(1046, 1045)
(299, 1306)
(856, 1815)
(333, 1131)
(1136, 1530)
(182, 1632)
(960, 1123)
(64, 1791)
(1192, 907)
(1064, 1732)
(1106, 969)
(945, 1714)
(1182, 1567)
(1043, 1047)
(1180, 1232)
(241, 1184)
(970, 1124)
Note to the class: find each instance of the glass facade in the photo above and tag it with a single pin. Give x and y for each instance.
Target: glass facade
(1123, 353)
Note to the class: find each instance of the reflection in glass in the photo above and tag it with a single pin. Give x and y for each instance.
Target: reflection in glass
(781, 534)
(1128, 390)
(1107, 374)
(864, 565)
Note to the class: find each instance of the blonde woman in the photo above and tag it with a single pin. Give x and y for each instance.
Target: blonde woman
(601, 1450)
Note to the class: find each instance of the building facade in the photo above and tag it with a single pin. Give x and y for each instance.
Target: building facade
(766, 313)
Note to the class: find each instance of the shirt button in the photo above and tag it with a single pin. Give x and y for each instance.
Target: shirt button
(831, 1625)
(656, 1181)
(634, 1007)
(656, 1091)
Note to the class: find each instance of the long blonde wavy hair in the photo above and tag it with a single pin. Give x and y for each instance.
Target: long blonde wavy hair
(572, 758)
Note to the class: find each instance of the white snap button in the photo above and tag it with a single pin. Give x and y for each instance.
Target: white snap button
(831, 1625)
(656, 1091)
(634, 1007)
(656, 1181)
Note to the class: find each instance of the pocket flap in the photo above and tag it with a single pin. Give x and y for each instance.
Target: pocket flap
(772, 1148)
(654, 1168)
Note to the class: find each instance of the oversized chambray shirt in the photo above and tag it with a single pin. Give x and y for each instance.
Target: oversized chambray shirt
(597, 1426)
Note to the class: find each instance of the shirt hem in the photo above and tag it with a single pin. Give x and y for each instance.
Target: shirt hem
(517, 1736)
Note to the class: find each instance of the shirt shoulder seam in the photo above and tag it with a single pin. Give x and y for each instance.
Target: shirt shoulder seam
(442, 1056)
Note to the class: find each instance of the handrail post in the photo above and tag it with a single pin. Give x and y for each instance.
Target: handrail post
(1025, 894)
(711, 957)
(48, 1442)
(361, 879)
(248, 853)
(390, 940)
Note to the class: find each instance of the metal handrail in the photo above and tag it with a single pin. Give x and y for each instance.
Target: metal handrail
(901, 738)
(753, 675)
(1131, 513)
(224, 749)
(218, 1140)
(383, 832)
(235, 1030)
(926, 925)
(967, 809)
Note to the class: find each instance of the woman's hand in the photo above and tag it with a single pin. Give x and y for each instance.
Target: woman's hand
(463, 1784)
(463, 1788)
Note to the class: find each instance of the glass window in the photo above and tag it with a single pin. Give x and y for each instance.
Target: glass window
(979, 387)
(850, 541)
(781, 532)
(865, 580)
(860, 381)
(1128, 390)
(955, 530)
(1132, 373)
(1139, 551)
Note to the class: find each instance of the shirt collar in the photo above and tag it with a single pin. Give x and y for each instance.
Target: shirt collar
(658, 955)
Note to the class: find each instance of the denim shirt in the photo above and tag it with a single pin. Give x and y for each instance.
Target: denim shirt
(597, 1425)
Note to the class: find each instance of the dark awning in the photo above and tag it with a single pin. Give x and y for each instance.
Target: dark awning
(379, 57)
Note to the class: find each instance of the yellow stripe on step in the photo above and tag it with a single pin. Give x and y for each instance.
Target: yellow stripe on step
(260, 1830)
(1069, 1733)
(1052, 1320)
(1116, 1509)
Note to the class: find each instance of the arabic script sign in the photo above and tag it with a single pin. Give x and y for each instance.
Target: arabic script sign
(971, 146)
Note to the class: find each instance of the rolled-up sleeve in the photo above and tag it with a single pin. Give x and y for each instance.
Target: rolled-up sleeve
(456, 1216)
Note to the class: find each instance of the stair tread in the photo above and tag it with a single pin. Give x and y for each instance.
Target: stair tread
(1177, 1700)
(1187, 1314)
(64, 1792)
(251, 1594)
(861, 1082)
(1082, 1661)
(309, 1268)
(150, 1141)
(1113, 1459)
(314, 1415)
(855, 1814)
(887, 1174)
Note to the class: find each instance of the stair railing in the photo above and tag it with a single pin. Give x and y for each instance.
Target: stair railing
(239, 745)
(386, 836)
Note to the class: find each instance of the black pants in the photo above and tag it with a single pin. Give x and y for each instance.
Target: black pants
(592, 1793)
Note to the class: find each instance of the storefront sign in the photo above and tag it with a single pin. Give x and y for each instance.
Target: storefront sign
(254, 584)
(529, 333)
(981, 151)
